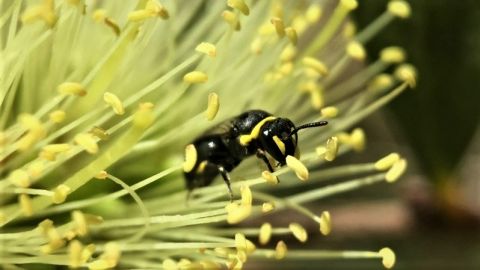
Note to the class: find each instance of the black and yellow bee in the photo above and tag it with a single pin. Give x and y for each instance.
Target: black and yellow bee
(256, 132)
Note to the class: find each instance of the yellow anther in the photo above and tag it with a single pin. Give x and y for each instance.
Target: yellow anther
(331, 148)
(195, 77)
(246, 194)
(20, 178)
(75, 254)
(356, 50)
(329, 112)
(45, 12)
(190, 158)
(29, 121)
(272, 179)
(210, 265)
(291, 35)
(101, 175)
(387, 162)
(357, 139)
(55, 240)
(237, 212)
(169, 264)
(99, 133)
(87, 141)
(112, 253)
(349, 30)
(207, 48)
(288, 53)
(27, 141)
(256, 46)
(279, 26)
(100, 264)
(399, 8)
(392, 55)
(380, 82)
(317, 99)
(298, 167)
(60, 193)
(348, 4)
(407, 73)
(25, 204)
(116, 104)
(299, 232)
(280, 250)
(87, 252)
(314, 13)
(72, 88)
(80, 222)
(265, 233)
(268, 207)
(57, 148)
(396, 171)
(99, 15)
(240, 241)
(212, 106)
(157, 9)
(325, 222)
(235, 264)
(144, 117)
(388, 257)
(286, 68)
(232, 19)
(316, 65)
(57, 116)
(300, 23)
(139, 15)
(239, 5)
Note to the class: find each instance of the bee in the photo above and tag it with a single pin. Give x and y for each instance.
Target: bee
(255, 132)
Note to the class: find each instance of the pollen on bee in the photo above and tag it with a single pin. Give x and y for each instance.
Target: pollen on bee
(60, 193)
(195, 77)
(388, 257)
(298, 231)
(239, 5)
(269, 177)
(298, 167)
(207, 48)
(72, 88)
(116, 104)
(396, 170)
(190, 158)
(212, 106)
(265, 233)
(87, 141)
(399, 8)
(331, 148)
(387, 162)
(280, 250)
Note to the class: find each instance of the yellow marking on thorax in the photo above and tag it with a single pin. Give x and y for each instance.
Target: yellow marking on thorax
(246, 139)
(279, 144)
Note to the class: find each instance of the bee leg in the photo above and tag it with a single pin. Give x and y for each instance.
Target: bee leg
(226, 178)
(261, 155)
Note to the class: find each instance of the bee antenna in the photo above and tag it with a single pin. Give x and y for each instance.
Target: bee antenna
(308, 125)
